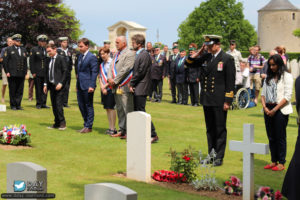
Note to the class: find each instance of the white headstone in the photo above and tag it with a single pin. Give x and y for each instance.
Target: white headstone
(2, 108)
(294, 68)
(139, 146)
(249, 148)
(108, 191)
(26, 177)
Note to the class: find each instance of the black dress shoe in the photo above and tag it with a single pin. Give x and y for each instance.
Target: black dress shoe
(66, 106)
(154, 139)
(38, 107)
(44, 106)
(20, 108)
(13, 108)
(218, 162)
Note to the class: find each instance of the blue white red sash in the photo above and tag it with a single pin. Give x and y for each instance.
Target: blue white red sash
(114, 72)
(103, 73)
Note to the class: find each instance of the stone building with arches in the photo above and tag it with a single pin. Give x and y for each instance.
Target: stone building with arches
(276, 23)
(126, 28)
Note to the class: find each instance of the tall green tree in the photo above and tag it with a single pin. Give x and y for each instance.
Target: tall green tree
(220, 17)
(31, 18)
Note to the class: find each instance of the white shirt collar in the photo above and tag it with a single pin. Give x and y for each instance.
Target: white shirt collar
(216, 54)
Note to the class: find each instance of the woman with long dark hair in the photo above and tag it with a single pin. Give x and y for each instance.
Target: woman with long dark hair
(275, 98)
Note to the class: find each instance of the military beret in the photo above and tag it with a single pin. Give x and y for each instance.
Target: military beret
(211, 39)
(106, 42)
(192, 49)
(175, 47)
(181, 49)
(232, 41)
(156, 46)
(63, 38)
(16, 37)
(42, 38)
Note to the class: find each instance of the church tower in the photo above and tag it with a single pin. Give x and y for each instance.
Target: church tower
(276, 23)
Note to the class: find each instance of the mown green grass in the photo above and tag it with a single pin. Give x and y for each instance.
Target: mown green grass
(73, 160)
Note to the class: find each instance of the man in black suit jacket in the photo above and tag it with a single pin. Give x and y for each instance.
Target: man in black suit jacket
(140, 83)
(171, 72)
(217, 80)
(55, 79)
(15, 67)
(37, 60)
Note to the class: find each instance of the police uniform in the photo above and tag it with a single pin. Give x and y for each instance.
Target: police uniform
(15, 63)
(37, 62)
(217, 78)
(67, 54)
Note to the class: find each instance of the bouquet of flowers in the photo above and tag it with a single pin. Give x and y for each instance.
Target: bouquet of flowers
(233, 186)
(169, 176)
(15, 135)
(266, 193)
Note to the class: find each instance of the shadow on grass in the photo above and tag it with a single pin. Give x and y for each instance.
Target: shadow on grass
(293, 125)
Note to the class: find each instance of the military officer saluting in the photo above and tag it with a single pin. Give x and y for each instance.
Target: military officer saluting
(217, 78)
(63, 50)
(37, 62)
(15, 66)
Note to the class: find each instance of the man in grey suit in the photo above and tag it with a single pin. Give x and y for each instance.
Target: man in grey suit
(140, 83)
(119, 75)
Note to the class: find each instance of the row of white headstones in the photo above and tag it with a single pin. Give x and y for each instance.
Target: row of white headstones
(139, 162)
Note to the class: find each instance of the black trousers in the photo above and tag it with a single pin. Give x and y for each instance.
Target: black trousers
(57, 105)
(173, 89)
(139, 103)
(215, 119)
(41, 97)
(67, 89)
(16, 88)
(182, 93)
(157, 88)
(194, 92)
(276, 131)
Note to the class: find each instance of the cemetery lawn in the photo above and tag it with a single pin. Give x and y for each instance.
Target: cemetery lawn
(73, 159)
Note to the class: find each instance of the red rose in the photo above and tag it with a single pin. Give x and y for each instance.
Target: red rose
(227, 183)
(266, 190)
(186, 158)
(278, 195)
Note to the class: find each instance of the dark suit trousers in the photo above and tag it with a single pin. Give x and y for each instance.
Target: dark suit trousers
(67, 89)
(182, 90)
(139, 103)
(85, 103)
(215, 119)
(173, 89)
(41, 97)
(157, 88)
(57, 105)
(194, 92)
(276, 131)
(16, 88)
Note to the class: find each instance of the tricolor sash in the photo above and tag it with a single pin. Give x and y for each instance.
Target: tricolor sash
(103, 73)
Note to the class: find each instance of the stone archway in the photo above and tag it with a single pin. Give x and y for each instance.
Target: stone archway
(126, 28)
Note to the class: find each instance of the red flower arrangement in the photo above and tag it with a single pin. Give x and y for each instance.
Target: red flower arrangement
(169, 176)
(266, 193)
(233, 186)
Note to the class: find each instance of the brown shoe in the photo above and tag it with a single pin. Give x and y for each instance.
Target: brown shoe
(86, 130)
(123, 137)
(154, 139)
(62, 127)
(116, 135)
(79, 131)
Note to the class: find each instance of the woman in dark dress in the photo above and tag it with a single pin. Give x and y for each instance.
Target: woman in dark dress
(291, 184)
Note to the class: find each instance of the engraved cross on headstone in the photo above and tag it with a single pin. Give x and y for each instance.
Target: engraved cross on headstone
(249, 148)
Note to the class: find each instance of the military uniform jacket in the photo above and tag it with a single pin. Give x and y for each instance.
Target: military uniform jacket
(37, 61)
(14, 63)
(193, 73)
(180, 70)
(158, 67)
(217, 78)
(172, 66)
(68, 58)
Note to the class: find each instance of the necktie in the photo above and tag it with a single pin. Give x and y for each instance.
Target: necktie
(19, 51)
(213, 57)
(52, 70)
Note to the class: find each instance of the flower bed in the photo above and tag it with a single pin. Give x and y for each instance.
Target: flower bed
(15, 135)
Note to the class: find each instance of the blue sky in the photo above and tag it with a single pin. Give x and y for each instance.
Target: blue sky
(165, 15)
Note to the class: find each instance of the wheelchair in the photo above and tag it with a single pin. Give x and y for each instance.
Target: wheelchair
(241, 99)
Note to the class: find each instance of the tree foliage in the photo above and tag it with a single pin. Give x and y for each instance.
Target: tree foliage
(297, 32)
(31, 18)
(220, 17)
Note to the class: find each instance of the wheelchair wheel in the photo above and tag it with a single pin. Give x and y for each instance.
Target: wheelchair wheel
(242, 98)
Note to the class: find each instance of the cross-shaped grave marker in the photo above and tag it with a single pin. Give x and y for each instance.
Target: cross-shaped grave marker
(249, 148)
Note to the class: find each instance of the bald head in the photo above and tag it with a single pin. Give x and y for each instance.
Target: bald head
(121, 43)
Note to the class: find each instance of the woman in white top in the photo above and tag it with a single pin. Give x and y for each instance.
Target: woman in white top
(275, 98)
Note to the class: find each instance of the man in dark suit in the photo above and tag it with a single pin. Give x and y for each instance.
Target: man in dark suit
(55, 80)
(140, 83)
(87, 72)
(37, 61)
(193, 78)
(63, 50)
(15, 67)
(171, 72)
(217, 80)
(180, 73)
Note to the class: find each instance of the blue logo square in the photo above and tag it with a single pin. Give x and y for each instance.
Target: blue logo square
(19, 186)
